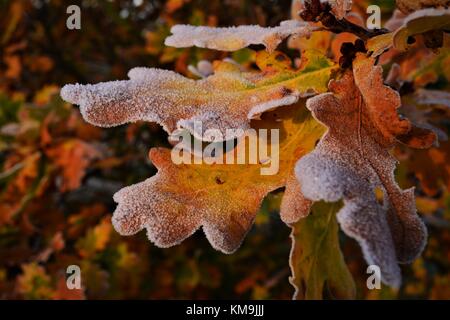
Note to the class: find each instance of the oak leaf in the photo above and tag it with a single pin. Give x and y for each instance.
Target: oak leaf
(421, 21)
(352, 161)
(228, 99)
(424, 67)
(34, 282)
(235, 38)
(316, 261)
(379, 44)
(223, 199)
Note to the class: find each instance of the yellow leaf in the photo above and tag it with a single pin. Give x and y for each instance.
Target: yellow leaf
(96, 239)
(223, 199)
(317, 265)
(379, 44)
(34, 282)
(421, 21)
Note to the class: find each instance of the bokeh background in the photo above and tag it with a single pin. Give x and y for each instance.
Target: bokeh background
(58, 173)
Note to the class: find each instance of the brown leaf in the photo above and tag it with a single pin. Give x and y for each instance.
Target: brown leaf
(235, 38)
(352, 160)
(382, 103)
(421, 22)
(73, 157)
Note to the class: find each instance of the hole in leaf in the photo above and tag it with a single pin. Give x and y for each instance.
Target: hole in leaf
(219, 180)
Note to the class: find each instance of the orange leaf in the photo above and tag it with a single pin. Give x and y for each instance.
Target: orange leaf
(73, 157)
(352, 160)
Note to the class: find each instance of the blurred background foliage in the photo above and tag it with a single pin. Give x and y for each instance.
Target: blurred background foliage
(58, 173)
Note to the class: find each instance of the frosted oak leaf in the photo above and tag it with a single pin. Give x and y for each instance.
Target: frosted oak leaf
(222, 199)
(421, 21)
(228, 99)
(352, 161)
(235, 38)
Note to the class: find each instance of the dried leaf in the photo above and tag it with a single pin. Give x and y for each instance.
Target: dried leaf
(14, 66)
(382, 102)
(73, 157)
(235, 38)
(379, 44)
(96, 239)
(352, 161)
(423, 67)
(226, 100)
(223, 199)
(419, 22)
(34, 282)
(316, 261)
(432, 168)
(421, 118)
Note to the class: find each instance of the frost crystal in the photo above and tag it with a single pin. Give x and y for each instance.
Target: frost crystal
(235, 38)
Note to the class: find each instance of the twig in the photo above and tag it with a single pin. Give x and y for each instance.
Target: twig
(315, 11)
